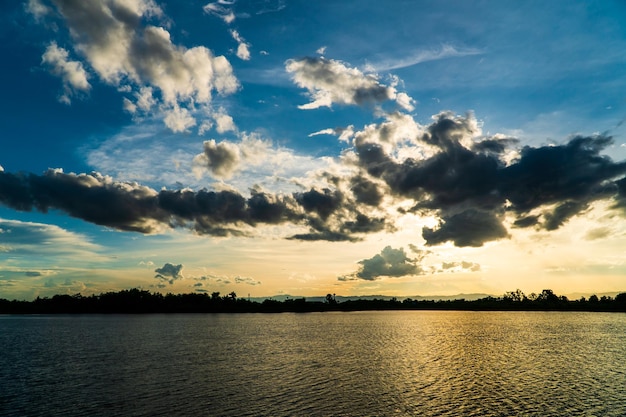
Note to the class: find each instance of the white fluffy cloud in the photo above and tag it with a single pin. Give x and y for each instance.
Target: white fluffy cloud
(179, 119)
(72, 73)
(397, 128)
(329, 81)
(223, 122)
(126, 51)
(37, 9)
(243, 48)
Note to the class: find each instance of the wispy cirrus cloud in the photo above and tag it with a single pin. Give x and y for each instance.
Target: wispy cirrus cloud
(222, 9)
(150, 154)
(423, 55)
(18, 238)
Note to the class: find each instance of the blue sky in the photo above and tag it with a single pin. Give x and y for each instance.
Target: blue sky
(268, 147)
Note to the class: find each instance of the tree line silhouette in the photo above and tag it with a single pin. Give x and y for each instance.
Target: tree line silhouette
(142, 301)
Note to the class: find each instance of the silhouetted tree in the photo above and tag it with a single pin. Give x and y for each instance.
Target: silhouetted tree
(516, 296)
(142, 301)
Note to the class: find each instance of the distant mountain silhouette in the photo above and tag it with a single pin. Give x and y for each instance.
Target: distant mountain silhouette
(142, 301)
(342, 298)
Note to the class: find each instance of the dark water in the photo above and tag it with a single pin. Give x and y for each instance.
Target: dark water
(342, 364)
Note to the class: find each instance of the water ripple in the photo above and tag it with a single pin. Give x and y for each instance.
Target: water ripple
(327, 364)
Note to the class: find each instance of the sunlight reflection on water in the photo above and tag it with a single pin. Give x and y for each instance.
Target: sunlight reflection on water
(317, 364)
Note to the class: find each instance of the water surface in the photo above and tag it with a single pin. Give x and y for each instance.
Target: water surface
(414, 363)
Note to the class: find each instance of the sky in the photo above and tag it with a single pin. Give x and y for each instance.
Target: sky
(294, 147)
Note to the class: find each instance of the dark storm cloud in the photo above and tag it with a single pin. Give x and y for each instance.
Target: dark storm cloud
(389, 262)
(465, 181)
(348, 230)
(451, 176)
(563, 212)
(468, 184)
(132, 207)
(170, 270)
(91, 197)
(365, 224)
(574, 171)
(468, 228)
(324, 202)
(526, 221)
(496, 146)
(365, 191)
(325, 235)
(222, 159)
(333, 216)
(169, 273)
(620, 198)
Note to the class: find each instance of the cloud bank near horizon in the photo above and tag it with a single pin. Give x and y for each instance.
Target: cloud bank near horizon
(479, 188)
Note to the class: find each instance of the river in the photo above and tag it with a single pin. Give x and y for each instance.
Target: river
(392, 363)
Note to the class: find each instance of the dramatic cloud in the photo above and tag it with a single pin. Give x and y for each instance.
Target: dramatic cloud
(71, 72)
(468, 228)
(471, 183)
(574, 173)
(329, 81)
(127, 52)
(132, 207)
(321, 202)
(92, 197)
(397, 129)
(365, 191)
(169, 273)
(389, 262)
(222, 159)
(449, 171)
